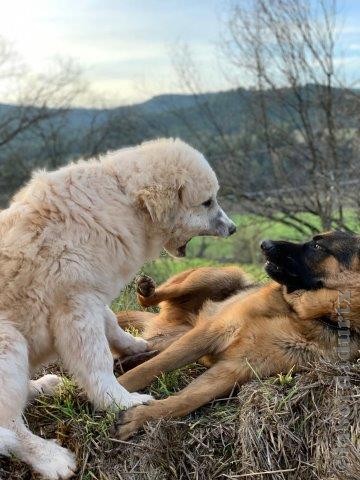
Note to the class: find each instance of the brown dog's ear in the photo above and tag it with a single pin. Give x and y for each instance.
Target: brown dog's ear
(160, 202)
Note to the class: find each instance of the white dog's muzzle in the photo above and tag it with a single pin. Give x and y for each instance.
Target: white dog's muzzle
(221, 225)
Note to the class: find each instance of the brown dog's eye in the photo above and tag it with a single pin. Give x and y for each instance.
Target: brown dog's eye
(317, 246)
(208, 203)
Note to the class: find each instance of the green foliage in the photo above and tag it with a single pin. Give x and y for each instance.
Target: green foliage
(243, 247)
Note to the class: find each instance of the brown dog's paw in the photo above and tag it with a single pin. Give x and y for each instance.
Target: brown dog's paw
(128, 423)
(145, 286)
(122, 365)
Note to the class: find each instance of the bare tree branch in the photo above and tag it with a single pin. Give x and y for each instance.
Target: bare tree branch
(296, 150)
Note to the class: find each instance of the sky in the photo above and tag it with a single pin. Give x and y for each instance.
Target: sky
(124, 47)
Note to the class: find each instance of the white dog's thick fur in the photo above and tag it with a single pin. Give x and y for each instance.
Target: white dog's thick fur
(70, 240)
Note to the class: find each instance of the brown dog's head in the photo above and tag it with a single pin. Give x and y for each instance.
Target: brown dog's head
(309, 265)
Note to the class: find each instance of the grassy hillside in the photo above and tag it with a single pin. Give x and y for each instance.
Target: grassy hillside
(66, 135)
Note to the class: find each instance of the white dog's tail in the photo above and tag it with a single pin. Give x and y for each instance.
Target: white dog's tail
(8, 441)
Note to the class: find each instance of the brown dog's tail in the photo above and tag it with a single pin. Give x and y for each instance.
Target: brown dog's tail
(134, 319)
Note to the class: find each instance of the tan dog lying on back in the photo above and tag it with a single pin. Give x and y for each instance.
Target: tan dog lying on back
(242, 331)
(69, 242)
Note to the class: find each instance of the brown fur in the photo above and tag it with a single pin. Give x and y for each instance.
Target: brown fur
(240, 331)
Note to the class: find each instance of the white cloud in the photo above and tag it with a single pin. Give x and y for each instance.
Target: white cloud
(123, 46)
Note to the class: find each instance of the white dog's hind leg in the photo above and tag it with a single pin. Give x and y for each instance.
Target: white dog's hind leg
(13, 378)
(44, 456)
(8, 441)
(120, 341)
(46, 385)
(81, 343)
(14, 372)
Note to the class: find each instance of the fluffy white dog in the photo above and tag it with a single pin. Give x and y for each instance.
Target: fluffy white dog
(69, 242)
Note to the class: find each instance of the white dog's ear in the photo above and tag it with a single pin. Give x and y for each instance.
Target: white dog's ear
(160, 202)
(181, 192)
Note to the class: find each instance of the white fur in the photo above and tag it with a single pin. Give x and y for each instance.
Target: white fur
(69, 242)
(46, 385)
(8, 441)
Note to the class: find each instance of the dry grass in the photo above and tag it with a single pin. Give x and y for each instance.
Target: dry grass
(283, 428)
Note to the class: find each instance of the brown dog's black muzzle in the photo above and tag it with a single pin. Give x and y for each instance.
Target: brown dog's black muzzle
(286, 264)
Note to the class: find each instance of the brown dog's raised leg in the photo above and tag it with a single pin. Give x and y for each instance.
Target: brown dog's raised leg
(193, 287)
(189, 348)
(215, 382)
(149, 295)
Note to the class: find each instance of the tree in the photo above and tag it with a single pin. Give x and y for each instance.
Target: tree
(294, 156)
(33, 100)
(39, 126)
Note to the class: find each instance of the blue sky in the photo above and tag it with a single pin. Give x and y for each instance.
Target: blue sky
(124, 46)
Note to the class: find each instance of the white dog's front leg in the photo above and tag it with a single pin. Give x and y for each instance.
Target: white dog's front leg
(123, 343)
(82, 345)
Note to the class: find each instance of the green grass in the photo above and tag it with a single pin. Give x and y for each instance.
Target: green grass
(161, 270)
(286, 379)
(171, 382)
(69, 408)
(166, 266)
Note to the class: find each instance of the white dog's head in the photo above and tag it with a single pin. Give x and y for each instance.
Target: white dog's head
(179, 194)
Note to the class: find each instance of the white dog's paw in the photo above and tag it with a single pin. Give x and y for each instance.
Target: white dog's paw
(46, 385)
(135, 399)
(136, 345)
(8, 441)
(49, 384)
(55, 462)
(114, 397)
(140, 345)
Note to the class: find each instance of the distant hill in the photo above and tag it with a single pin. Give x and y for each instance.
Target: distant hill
(199, 119)
(165, 111)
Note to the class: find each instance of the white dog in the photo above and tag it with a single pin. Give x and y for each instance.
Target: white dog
(70, 240)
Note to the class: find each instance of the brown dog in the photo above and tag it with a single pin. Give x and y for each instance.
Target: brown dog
(242, 331)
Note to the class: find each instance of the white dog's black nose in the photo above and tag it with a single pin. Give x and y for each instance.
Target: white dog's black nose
(232, 229)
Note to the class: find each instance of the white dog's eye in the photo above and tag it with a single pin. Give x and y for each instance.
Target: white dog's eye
(208, 203)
